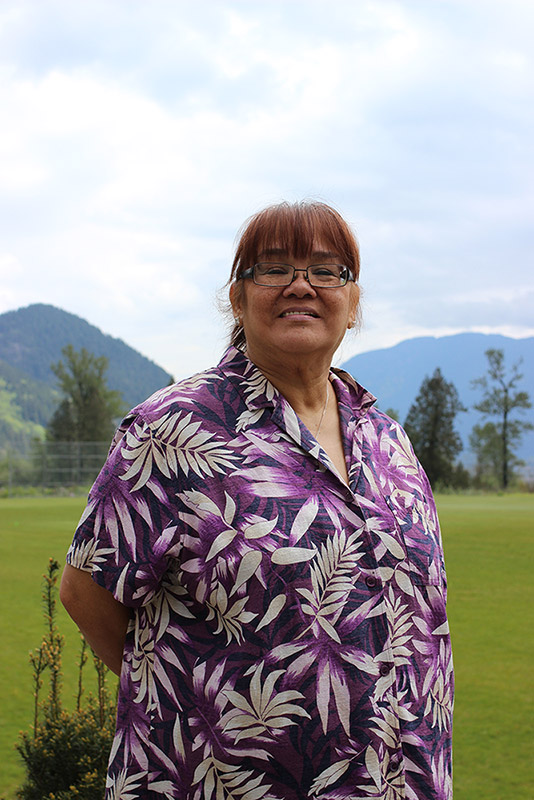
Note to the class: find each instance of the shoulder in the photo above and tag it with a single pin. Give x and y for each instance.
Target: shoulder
(389, 433)
(190, 394)
(364, 408)
(210, 400)
(204, 393)
(393, 453)
(190, 414)
(385, 424)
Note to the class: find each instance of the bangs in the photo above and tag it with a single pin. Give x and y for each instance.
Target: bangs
(296, 229)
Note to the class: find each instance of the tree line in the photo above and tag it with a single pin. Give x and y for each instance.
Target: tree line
(431, 418)
(90, 410)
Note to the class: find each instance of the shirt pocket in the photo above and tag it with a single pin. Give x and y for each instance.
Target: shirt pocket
(418, 528)
(422, 540)
(424, 569)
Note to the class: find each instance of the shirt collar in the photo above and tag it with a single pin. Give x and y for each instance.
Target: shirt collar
(258, 392)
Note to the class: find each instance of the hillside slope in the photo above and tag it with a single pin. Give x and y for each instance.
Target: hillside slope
(31, 340)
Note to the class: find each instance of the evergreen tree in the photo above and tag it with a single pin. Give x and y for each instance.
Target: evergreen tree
(494, 442)
(430, 426)
(89, 409)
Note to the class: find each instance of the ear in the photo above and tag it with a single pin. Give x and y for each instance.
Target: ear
(354, 311)
(236, 290)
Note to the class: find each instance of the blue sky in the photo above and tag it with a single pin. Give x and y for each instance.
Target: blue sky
(138, 136)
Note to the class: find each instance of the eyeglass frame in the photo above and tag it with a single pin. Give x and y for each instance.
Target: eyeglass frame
(250, 273)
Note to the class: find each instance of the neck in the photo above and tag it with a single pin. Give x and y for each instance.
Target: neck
(303, 384)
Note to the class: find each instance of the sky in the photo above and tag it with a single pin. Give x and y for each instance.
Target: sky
(138, 136)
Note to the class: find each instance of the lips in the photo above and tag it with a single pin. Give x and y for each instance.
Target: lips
(299, 312)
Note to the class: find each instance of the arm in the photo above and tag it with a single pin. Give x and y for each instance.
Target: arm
(102, 619)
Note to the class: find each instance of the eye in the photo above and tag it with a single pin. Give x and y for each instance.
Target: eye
(273, 269)
(325, 271)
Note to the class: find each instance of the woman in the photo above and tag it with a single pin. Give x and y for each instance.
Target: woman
(260, 559)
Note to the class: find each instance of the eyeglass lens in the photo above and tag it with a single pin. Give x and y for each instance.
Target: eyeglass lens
(270, 274)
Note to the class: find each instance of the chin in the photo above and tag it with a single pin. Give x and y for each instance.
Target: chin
(303, 345)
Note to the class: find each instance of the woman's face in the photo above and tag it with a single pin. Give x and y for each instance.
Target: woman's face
(298, 319)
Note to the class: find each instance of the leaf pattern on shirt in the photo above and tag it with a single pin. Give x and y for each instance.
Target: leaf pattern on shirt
(230, 616)
(288, 636)
(123, 786)
(228, 782)
(437, 689)
(266, 712)
(173, 443)
(332, 576)
(388, 783)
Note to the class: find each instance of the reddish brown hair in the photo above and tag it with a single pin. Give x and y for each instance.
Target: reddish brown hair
(295, 228)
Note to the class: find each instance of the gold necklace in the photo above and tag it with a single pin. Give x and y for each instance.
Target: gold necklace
(324, 409)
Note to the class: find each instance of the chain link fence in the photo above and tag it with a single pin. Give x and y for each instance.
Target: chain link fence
(53, 465)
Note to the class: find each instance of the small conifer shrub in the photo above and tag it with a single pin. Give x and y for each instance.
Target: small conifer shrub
(66, 752)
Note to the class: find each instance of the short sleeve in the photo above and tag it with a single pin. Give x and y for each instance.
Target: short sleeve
(128, 531)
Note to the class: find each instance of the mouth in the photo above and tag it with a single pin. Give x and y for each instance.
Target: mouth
(300, 312)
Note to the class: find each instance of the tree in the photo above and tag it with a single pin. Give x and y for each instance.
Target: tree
(484, 441)
(89, 409)
(494, 442)
(430, 426)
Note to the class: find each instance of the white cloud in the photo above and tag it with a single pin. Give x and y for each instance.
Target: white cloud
(140, 136)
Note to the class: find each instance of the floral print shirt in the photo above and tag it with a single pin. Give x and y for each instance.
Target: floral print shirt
(288, 637)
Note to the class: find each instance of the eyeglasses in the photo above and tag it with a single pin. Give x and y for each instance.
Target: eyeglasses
(321, 276)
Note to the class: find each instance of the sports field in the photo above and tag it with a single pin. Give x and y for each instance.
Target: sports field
(489, 544)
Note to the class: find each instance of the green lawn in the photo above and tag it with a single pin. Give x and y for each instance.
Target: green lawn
(31, 531)
(489, 543)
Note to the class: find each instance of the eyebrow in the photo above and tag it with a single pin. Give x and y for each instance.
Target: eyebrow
(273, 251)
(320, 254)
(280, 252)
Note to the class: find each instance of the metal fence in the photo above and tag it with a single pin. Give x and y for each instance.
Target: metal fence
(53, 465)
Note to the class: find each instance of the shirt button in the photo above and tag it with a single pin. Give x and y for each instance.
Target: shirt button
(395, 762)
(385, 669)
(371, 581)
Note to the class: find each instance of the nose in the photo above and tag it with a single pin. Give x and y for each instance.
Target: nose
(300, 285)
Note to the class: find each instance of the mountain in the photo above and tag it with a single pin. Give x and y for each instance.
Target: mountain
(31, 339)
(35, 399)
(394, 375)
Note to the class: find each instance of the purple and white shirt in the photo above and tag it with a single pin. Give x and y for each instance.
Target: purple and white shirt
(289, 637)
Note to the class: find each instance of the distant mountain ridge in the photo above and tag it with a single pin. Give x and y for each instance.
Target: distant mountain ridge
(31, 339)
(394, 375)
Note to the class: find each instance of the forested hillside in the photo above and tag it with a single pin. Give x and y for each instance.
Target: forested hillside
(36, 399)
(31, 339)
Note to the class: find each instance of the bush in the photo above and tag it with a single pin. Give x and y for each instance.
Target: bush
(66, 756)
(66, 752)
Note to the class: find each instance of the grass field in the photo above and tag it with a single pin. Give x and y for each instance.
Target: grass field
(489, 544)
(31, 531)
(489, 548)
